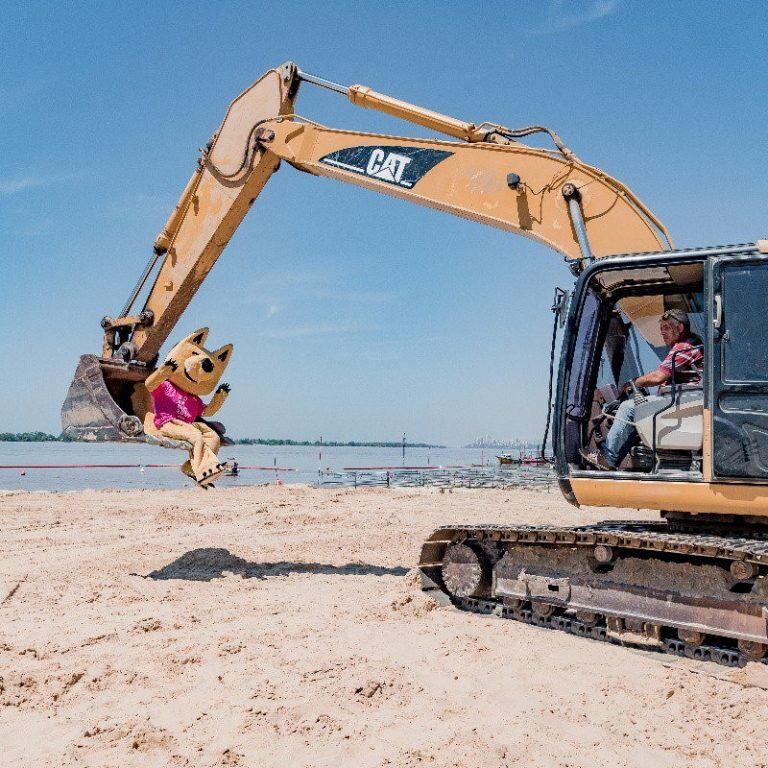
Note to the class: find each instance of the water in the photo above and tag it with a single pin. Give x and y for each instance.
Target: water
(303, 460)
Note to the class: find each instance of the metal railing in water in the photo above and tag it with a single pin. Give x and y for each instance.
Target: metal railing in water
(463, 477)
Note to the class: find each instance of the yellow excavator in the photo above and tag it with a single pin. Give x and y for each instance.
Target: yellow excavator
(692, 582)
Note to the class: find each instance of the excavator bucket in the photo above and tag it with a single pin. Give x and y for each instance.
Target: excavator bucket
(98, 406)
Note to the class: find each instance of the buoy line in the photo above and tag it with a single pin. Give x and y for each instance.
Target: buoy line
(127, 466)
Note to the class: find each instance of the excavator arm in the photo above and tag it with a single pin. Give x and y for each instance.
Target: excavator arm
(486, 175)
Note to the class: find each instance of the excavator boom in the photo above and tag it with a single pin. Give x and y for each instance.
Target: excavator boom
(485, 175)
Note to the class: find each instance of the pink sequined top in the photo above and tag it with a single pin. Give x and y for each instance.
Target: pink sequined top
(173, 403)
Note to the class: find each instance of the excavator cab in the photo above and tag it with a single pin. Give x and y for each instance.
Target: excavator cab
(668, 423)
(695, 581)
(693, 430)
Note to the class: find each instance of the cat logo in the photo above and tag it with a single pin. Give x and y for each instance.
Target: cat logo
(397, 165)
(387, 167)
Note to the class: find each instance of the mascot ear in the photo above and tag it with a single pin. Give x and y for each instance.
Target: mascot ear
(223, 353)
(198, 337)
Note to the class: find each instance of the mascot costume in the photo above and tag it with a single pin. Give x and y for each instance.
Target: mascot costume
(176, 411)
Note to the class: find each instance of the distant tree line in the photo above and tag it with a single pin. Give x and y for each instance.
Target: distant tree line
(31, 437)
(45, 437)
(329, 443)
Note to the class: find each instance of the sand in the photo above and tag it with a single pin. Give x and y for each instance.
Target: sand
(283, 626)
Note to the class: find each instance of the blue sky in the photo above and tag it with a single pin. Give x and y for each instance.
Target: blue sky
(353, 315)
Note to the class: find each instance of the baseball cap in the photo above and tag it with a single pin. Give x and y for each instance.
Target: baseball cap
(680, 315)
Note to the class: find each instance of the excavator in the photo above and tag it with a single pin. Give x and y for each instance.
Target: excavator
(694, 580)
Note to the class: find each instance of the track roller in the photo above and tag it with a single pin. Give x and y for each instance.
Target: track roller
(466, 571)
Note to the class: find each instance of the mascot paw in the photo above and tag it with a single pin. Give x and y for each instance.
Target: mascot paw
(223, 388)
(172, 364)
(210, 475)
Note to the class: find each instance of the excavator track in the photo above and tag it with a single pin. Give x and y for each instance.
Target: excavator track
(644, 584)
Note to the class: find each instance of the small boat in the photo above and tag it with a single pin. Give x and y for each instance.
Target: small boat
(508, 458)
(535, 460)
(233, 469)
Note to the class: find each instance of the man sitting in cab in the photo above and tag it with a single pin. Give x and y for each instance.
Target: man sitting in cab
(685, 350)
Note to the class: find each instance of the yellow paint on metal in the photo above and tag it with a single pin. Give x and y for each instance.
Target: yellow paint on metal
(694, 498)
(706, 457)
(472, 183)
(214, 202)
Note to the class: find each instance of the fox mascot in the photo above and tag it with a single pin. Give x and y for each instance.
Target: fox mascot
(176, 410)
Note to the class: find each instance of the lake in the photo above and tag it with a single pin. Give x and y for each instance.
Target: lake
(295, 464)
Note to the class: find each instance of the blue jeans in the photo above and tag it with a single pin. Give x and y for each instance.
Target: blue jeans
(621, 434)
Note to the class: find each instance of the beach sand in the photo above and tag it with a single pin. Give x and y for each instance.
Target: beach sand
(284, 626)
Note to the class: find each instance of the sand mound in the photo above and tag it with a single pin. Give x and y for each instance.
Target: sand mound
(285, 626)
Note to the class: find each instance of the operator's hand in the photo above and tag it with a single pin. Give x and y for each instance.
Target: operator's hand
(627, 388)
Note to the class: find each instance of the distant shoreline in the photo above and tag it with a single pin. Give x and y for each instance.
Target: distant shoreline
(330, 443)
(45, 437)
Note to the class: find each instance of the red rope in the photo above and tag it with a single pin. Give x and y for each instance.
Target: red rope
(122, 466)
(82, 466)
(270, 469)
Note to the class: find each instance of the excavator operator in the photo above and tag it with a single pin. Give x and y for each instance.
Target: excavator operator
(684, 356)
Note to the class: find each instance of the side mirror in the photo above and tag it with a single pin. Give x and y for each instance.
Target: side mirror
(560, 305)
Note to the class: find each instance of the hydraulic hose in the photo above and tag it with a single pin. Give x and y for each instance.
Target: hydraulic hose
(557, 308)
